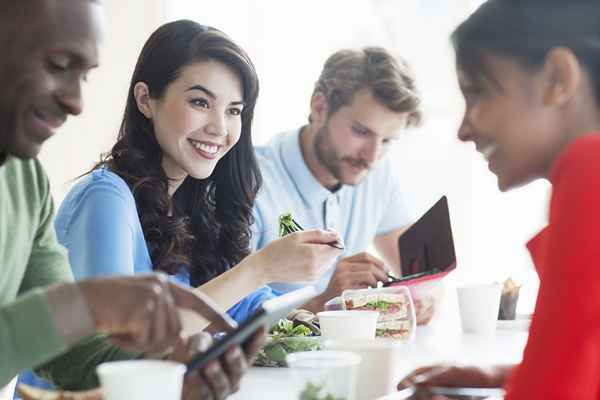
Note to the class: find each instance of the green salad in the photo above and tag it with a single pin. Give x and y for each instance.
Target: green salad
(285, 338)
(287, 225)
(312, 392)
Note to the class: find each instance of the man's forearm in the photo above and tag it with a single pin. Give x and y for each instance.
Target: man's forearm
(70, 313)
(76, 369)
(28, 335)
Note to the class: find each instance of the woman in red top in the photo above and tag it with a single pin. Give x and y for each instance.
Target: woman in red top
(529, 71)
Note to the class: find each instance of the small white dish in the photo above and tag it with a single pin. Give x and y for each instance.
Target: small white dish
(350, 324)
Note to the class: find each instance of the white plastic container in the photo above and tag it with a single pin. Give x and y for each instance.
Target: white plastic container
(427, 296)
(379, 373)
(141, 380)
(318, 374)
(348, 324)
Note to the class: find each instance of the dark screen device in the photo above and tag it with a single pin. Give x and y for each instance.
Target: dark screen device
(467, 393)
(427, 247)
(268, 314)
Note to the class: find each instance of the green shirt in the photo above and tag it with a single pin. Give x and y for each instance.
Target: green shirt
(30, 258)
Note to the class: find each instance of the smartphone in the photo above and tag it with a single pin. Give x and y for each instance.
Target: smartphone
(471, 393)
(269, 313)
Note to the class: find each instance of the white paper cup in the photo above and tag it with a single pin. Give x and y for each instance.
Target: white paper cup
(141, 380)
(479, 305)
(378, 370)
(348, 324)
(7, 392)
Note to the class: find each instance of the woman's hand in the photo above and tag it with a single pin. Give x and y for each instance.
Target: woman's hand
(456, 376)
(297, 257)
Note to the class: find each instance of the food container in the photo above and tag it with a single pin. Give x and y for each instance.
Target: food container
(379, 370)
(324, 374)
(395, 306)
(427, 293)
(335, 304)
(275, 350)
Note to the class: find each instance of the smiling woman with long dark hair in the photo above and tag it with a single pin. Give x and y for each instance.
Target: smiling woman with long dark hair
(210, 210)
(175, 193)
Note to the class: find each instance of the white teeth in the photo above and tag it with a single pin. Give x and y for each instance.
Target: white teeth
(210, 149)
(488, 151)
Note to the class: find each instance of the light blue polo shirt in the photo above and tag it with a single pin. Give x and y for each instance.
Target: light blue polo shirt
(359, 213)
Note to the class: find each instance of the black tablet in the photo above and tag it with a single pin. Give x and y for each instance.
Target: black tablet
(427, 247)
(269, 313)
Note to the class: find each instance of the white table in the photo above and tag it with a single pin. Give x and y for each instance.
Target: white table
(441, 341)
(7, 392)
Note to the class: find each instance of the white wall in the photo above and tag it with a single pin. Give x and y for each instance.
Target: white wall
(80, 141)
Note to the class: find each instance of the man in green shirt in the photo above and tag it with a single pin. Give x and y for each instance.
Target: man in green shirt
(48, 47)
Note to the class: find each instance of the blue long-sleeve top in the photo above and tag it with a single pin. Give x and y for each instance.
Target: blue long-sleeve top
(99, 225)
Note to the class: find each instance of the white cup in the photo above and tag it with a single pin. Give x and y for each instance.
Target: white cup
(141, 380)
(332, 374)
(348, 324)
(479, 305)
(7, 392)
(378, 370)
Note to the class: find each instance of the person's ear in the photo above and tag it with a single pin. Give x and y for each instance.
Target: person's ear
(143, 101)
(318, 108)
(563, 75)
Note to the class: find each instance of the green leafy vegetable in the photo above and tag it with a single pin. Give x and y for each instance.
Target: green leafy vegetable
(287, 225)
(380, 305)
(286, 328)
(311, 392)
(285, 339)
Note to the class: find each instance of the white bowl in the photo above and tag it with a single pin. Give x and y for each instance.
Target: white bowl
(350, 324)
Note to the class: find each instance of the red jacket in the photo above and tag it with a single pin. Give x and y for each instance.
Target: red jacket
(562, 356)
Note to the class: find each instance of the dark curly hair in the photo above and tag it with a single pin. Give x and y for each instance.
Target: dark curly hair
(205, 226)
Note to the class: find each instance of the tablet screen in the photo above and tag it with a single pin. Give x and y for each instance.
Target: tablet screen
(428, 246)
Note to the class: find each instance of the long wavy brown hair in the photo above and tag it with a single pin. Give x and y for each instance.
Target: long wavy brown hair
(205, 226)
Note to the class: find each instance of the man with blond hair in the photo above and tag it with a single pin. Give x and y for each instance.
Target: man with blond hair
(332, 174)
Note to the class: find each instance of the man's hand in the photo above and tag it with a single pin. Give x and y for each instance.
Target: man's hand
(221, 377)
(355, 272)
(140, 312)
(32, 393)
